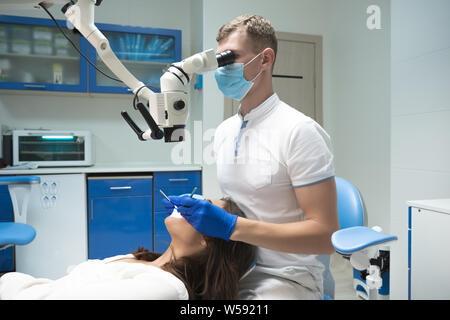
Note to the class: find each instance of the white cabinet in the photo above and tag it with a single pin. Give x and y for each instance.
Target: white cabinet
(57, 210)
(429, 250)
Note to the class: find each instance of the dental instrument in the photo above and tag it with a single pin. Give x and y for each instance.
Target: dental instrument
(193, 191)
(175, 213)
(168, 199)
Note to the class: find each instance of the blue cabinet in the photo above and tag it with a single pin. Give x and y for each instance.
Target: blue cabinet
(35, 56)
(127, 212)
(6, 214)
(120, 215)
(171, 183)
(145, 52)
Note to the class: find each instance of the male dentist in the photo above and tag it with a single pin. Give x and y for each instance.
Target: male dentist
(277, 166)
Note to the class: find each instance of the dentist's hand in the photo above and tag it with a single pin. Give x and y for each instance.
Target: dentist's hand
(205, 217)
(167, 205)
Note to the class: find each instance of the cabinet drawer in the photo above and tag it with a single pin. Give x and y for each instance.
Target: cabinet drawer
(177, 179)
(175, 183)
(127, 186)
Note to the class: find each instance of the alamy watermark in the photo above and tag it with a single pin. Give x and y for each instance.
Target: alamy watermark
(250, 147)
(373, 21)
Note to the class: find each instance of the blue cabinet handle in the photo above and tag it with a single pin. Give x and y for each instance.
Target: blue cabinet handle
(120, 188)
(35, 86)
(179, 180)
(92, 210)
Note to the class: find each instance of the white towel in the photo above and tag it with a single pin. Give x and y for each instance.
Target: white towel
(97, 279)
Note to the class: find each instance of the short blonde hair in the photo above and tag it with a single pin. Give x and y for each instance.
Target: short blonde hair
(259, 30)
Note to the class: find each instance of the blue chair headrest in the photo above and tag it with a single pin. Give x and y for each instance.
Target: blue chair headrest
(350, 207)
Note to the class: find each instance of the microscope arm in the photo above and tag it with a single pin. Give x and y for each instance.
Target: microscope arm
(81, 16)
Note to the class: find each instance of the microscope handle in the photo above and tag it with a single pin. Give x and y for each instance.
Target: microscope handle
(157, 133)
(133, 125)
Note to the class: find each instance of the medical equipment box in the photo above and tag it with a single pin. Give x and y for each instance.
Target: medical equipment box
(50, 148)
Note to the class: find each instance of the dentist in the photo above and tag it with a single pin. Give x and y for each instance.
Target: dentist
(277, 166)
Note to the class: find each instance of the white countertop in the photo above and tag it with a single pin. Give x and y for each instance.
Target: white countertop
(105, 167)
(439, 205)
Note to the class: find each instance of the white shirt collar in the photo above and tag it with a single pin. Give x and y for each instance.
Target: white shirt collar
(264, 108)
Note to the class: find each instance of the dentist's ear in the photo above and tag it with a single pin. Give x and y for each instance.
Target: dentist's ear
(268, 58)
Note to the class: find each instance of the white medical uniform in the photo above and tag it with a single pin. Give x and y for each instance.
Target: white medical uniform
(261, 158)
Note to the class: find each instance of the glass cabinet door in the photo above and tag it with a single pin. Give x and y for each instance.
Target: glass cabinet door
(35, 55)
(145, 52)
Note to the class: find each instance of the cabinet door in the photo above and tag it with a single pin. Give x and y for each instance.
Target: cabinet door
(430, 258)
(296, 73)
(57, 211)
(118, 225)
(162, 236)
(34, 55)
(6, 214)
(145, 52)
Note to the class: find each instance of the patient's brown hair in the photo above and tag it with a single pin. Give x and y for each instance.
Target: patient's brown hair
(213, 273)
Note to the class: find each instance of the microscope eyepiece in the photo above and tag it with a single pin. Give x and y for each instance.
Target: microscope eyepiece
(225, 58)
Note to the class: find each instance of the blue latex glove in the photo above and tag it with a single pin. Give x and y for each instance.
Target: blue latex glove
(205, 217)
(169, 206)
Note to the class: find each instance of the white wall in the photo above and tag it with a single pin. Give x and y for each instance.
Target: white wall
(420, 118)
(355, 85)
(357, 98)
(115, 142)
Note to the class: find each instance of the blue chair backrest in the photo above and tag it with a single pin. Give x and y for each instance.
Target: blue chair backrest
(351, 214)
(350, 207)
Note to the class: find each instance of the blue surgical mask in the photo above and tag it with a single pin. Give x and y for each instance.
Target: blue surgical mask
(230, 80)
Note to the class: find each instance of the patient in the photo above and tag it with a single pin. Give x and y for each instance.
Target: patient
(193, 267)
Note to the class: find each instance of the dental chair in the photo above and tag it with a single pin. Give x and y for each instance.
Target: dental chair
(354, 241)
(17, 232)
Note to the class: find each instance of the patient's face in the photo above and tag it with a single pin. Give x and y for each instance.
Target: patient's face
(182, 233)
(184, 236)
